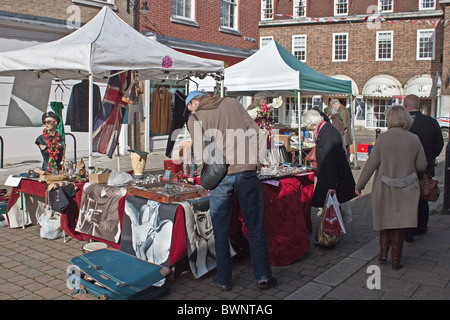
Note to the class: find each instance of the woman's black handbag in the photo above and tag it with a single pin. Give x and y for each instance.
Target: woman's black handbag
(215, 167)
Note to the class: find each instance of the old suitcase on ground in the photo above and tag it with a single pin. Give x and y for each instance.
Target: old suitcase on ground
(111, 274)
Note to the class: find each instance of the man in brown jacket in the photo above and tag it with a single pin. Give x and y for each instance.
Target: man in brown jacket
(239, 137)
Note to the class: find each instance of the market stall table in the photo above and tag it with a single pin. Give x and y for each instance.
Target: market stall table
(287, 202)
(287, 206)
(70, 216)
(287, 213)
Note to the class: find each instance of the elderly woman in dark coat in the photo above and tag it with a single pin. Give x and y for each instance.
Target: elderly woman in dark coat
(333, 170)
(395, 159)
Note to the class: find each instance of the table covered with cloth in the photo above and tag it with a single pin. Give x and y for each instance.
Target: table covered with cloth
(70, 216)
(287, 214)
(287, 207)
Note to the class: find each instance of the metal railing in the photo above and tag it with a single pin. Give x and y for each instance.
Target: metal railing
(74, 146)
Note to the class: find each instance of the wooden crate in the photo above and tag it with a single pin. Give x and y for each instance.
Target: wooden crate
(167, 192)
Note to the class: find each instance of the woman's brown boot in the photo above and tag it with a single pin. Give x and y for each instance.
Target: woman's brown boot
(384, 245)
(397, 237)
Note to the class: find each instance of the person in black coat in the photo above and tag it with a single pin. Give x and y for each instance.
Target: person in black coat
(430, 135)
(333, 170)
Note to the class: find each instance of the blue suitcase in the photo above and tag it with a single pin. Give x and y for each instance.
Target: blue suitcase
(110, 274)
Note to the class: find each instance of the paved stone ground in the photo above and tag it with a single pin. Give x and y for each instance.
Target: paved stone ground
(32, 268)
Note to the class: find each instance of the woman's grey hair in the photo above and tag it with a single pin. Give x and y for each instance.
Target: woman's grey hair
(398, 117)
(312, 117)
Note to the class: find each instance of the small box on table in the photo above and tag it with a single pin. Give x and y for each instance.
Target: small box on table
(99, 177)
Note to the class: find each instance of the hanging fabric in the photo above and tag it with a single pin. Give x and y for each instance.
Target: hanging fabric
(57, 107)
(161, 111)
(108, 122)
(133, 92)
(77, 115)
(178, 121)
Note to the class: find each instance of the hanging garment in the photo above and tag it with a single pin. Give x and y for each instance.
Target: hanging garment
(108, 122)
(57, 107)
(78, 109)
(99, 211)
(178, 121)
(160, 111)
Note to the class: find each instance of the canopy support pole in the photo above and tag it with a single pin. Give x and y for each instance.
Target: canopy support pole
(299, 105)
(91, 115)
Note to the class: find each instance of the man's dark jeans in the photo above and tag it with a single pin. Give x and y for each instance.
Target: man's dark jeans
(249, 192)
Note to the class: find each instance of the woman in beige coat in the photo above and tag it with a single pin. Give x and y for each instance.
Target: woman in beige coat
(395, 158)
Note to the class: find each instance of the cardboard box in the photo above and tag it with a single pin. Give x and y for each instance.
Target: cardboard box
(48, 177)
(174, 166)
(285, 139)
(99, 178)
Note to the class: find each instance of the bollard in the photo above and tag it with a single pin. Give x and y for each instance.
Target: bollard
(377, 133)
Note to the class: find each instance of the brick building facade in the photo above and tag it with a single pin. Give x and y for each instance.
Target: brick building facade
(387, 48)
(203, 31)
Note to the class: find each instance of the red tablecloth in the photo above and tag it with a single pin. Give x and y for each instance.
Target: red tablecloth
(288, 218)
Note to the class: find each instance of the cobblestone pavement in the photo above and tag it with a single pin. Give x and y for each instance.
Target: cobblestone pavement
(32, 268)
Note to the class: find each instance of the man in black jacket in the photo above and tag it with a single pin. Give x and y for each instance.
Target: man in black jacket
(429, 132)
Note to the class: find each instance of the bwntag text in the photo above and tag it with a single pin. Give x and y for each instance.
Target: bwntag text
(250, 309)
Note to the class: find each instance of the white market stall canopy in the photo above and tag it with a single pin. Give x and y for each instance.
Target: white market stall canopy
(104, 44)
(273, 68)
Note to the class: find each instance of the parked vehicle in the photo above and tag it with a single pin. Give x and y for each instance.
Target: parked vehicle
(444, 123)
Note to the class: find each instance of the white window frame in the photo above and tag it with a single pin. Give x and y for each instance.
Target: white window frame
(290, 110)
(337, 3)
(191, 17)
(296, 49)
(377, 56)
(420, 36)
(422, 5)
(264, 40)
(230, 23)
(296, 5)
(376, 119)
(380, 6)
(267, 9)
(334, 47)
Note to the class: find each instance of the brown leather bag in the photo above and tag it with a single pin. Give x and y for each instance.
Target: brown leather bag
(429, 190)
(311, 157)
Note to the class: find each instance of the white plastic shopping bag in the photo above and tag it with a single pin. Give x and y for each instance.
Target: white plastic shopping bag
(50, 225)
(346, 211)
(333, 223)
